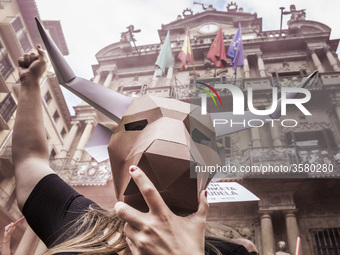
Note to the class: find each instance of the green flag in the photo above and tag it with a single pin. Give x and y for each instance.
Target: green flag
(165, 58)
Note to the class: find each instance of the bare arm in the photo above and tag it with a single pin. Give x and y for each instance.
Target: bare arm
(29, 149)
(6, 243)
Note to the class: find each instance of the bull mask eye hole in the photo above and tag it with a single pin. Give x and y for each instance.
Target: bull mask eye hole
(199, 137)
(136, 125)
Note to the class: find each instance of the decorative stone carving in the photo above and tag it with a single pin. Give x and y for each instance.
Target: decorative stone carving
(277, 200)
(232, 7)
(187, 13)
(89, 173)
(275, 156)
(287, 67)
(281, 247)
(208, 73)
(295, 14)
(335, 99)
(237, 230)
(309, 126)
(235, 142)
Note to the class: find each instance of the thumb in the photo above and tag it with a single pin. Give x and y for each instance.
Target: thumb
(21, 71)
(41, 53)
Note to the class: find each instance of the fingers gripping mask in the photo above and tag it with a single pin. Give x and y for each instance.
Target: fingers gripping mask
(154, 134)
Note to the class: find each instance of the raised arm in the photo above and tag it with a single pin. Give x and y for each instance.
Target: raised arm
(29, 146)
(6, 243)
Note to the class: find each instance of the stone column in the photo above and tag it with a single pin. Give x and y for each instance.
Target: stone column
(292, 231)
(334, 111)
(169, 76)
(83, 140)
(69, 140)
(255, 137)
(260, 64)
(275, 132)
(316, 60)
(337, 110)
(109, 78)
(28, 243)
(154, 79)
(267, 234)
(246, 68)
(332, 60)
(96, 79)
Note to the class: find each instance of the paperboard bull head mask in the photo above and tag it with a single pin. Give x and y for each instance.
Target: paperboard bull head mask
(154, 134)
(164, 137)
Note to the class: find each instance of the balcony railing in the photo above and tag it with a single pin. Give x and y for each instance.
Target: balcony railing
(8, 203)
(6, 152)
(285, 161)
(82, 173)
(3, 3)
(75, 172)
(332, 78)
(7, 108)
(188, 91)
(279, 161)
(162, 91)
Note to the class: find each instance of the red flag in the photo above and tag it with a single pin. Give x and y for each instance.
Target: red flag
(185, 55)
(217, 51)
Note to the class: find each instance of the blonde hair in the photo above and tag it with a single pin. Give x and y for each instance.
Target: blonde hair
(91, 234)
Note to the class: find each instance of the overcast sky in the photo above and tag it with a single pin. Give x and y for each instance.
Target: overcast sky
(91, 25)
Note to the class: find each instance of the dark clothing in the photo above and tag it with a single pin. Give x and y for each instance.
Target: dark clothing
(226, 248)
(52, 207)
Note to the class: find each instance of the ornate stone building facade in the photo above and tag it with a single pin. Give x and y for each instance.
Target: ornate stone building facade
(291, 204)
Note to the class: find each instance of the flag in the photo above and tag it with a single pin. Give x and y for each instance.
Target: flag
(185, 55)
(165, 58)
(217, 51)
(235, 50)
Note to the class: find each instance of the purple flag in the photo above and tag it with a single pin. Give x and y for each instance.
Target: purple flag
(235, 50)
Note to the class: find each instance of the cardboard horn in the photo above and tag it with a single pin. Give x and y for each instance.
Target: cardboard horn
(221, 130)
(110, 103)
(96, 146)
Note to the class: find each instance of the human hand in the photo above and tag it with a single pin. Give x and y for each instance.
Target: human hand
(32, 66)
(8, 231)
(160, 231)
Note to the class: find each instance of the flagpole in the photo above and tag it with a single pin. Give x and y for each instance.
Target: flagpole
(175, 87)
(193, 59)
(235, 51)
(298, 246)
(192, 53)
